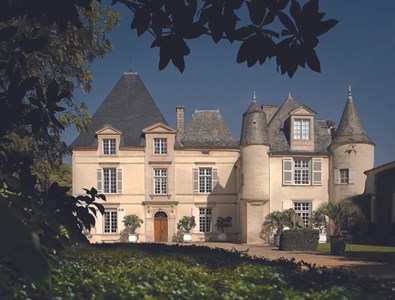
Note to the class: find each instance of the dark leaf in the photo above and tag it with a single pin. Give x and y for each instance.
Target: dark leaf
(257, 10)
(325, 26)
(287, 22)
(313, 61)
(52, 92)
(36, 44)
(7, 32)
(99, 207)
(296, 11)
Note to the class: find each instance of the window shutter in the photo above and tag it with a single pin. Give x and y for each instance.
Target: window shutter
(336, 173)
(287, 170)
(195, 181)
(215, 178)
(317, 171)
(99, 181)
(119, 181)
(351, 176)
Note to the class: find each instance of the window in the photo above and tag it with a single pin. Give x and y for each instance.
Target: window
(110, 221)
(160, 181)
(302, 171)
(301, 129)
(160, 146)
(109, 181)
(109, 147)
(344, 176)
(205, 219)
(205, 180)
(303, 210)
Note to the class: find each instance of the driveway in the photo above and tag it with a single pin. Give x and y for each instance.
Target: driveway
(360, 266)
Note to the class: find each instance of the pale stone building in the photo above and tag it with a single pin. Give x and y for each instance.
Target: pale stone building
(285, 158)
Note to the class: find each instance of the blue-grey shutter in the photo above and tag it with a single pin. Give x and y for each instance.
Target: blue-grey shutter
(287, 170)
(119, 181)
(99, 181)
(317, 171)
(336, 174)
(351, 176)
(195, 181)
(215, 178)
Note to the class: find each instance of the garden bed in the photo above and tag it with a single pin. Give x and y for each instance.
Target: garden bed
(157, 271)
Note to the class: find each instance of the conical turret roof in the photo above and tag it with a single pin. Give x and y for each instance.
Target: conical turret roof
(350, 128)
(254, 129)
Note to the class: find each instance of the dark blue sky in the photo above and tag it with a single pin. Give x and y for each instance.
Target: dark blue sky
(358, 51)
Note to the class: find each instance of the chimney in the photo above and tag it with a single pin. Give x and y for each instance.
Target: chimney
(180, 121)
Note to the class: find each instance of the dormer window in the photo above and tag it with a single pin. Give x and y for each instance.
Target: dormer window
(301, 129)
(109, 147)
(160, 146)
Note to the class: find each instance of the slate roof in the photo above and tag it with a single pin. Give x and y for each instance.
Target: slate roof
(254, 129)
(279, 130)
(350, 128)
(208, 129)
(129, 108)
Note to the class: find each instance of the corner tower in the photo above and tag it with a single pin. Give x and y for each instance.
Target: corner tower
(352, 154)
(254, 148)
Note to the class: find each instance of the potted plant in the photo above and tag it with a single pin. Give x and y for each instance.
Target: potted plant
(221, 225)
(131, 222)
(340, 213)
(275, 222)
(319, 222)
(185, 225)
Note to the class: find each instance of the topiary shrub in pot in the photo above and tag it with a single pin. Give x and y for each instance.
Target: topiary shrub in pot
(185, 225)
(275, 222)
(221, 225)
(318, 221)
(340, 213)
(131, 222)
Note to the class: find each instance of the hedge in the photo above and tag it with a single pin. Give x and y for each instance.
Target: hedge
(299, 240)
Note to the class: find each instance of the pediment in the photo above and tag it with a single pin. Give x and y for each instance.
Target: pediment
(159, 128)
(303, 110)
(108, 130)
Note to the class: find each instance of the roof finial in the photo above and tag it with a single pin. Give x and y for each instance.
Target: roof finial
(349, 90)
(289, 95)
(254, 98)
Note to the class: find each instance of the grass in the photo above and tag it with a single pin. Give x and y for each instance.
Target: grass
(156, 271)
(375, 253)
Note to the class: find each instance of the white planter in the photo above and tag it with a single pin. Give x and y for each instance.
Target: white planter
(322, 238)
(187, 237)
(132, 238)
(222, 237)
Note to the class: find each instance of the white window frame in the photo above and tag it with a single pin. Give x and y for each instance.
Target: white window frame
(303, 209)
(160, 181)
(301, 129)
(110, 221)
(205, 180)
(160, 146)
(109, 146)
(302, 171)
(342, 179)
(205, 219)
(109, 180)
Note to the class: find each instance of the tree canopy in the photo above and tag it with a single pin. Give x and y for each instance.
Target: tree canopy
(280, 29)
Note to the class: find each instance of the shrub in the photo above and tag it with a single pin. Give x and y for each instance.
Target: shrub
(275, 222)
(299, 239)
(223, 223)
(186, 224)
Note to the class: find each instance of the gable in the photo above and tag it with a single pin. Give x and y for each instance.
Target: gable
(302, 110)
(108, 130)
(159, 128)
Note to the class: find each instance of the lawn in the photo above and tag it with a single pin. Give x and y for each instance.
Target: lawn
(156, 271)
(375, 253)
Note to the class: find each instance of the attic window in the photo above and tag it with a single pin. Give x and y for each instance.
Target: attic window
(160, 146)
(301, 129)
(109, 147)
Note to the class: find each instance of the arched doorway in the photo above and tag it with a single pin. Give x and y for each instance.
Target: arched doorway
(160, 226)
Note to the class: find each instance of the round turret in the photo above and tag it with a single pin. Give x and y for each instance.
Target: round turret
(352, 154)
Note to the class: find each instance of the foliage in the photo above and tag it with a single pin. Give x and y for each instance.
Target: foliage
(157, 271)
(132, 222)
(299, 239)
(223, 223)
(340, 213)
(186, 224)
(319, 221)
(282, 29)
(275, 221)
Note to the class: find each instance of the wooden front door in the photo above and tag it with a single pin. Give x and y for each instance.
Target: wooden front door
(160, 227)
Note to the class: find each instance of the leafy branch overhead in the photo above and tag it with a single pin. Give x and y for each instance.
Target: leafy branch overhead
(283, 29)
